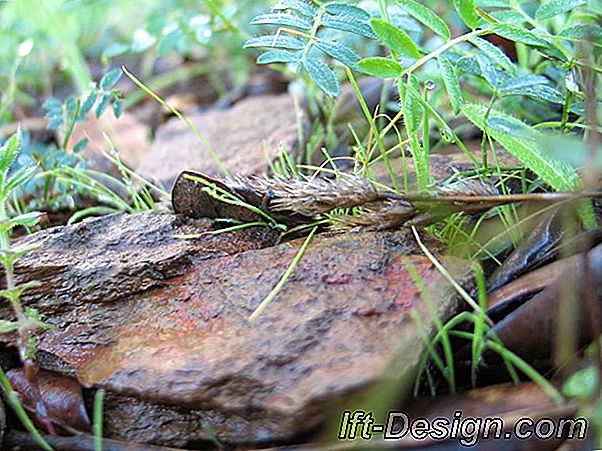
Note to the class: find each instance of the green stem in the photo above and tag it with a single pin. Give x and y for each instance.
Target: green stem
(179, 115)
(270, 297)
(69, 131)
(215, 9)
(448, 45)
(374, 129)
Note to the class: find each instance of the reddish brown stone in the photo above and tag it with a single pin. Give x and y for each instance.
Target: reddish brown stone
(163, 323)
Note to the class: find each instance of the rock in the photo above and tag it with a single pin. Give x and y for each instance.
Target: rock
(129, 136)
(443, 164)
(162, 323)
(245, 138)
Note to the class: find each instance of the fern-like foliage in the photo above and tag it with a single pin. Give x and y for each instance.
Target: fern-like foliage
(299, 37)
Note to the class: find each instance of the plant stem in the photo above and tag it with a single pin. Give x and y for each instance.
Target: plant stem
(448, 45)
(270, 297)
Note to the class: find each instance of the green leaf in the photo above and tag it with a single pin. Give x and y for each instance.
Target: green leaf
(571, 150)
(117, 107)
(468, 12)
(9, 152)
(114, 50)
(19, 177)
(535, 86)
(540, 92)
(71, 104)
(88, 103)
(493, 52)
(110, 79)
(281, 41)
(380, 67)
(103, 104)
(427, 17)
(412, 107)
(304, 7)
(283, 20)
(81, 145)
(339, 52)
(347, 9)
(582, 384)
(518, 34)
(55, 123)
(488, 70)
(523, 82)
(556, 7)
(583, 32)
(24, 220)
(8, 326)
(13, 294)
(348, 22)
(397, 40)
(452, 83)
(52, 104)
(323, 75)
(521, 141)
(278, 56)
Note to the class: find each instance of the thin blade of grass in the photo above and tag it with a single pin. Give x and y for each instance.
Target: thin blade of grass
(270, 297)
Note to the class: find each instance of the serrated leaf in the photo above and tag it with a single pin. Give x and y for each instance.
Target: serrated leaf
(339, 52)
(13, 294)
(556, 7)
(280, 41)
(110, 79)
(347, 9)
(102, 105)
(523, 145)
(523, 82)
(397, 40)
(427, 17)
(380, 67)
(282, 20)
(88, 103)
(278, 56)
(323, 75)
(348, 22)
(467, 9)
(583, 32)
(304, 7)
(535, 86)
(495, 53)
(24, 220)
(412, 107)
(487, 68)
(539, 92)
(452, 83)
(8, 153)
(518, 34)
(8, 326)
(19, 177)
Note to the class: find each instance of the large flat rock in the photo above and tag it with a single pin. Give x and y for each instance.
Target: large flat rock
(162, 323)
(245, 138)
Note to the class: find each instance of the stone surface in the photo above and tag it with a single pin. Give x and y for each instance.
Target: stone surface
(129, 136)
(245, 138)
(162, 323)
